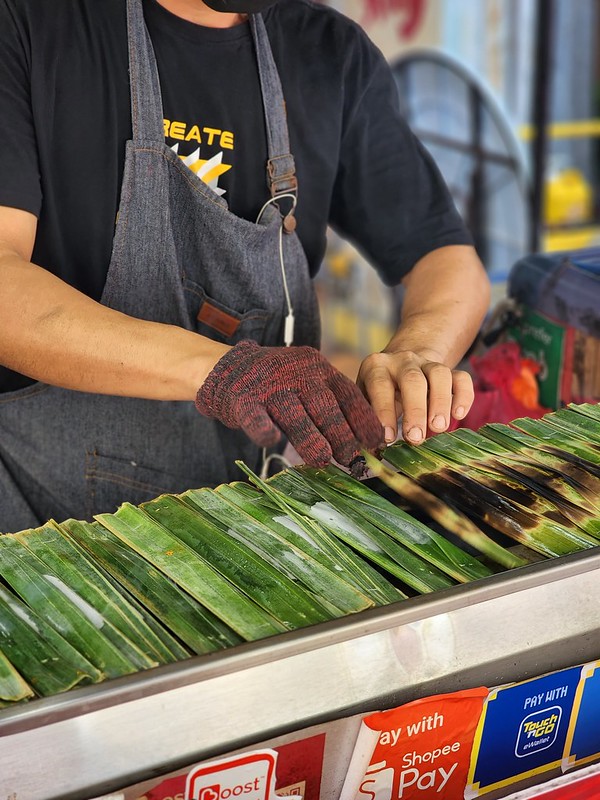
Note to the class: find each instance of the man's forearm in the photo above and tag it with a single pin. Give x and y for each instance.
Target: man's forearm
(447, 295)
(55, 334)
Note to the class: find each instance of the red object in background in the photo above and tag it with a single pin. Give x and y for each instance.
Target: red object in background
(413, 13)
(505, 387)
(298, 762)
(588, 789)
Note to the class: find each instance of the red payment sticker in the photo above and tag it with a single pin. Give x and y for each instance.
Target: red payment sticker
(299, 768)
(250, 777)
(582, 790)
(417, 751)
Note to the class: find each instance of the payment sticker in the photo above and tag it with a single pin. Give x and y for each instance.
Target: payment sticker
(522, 731)
(583, 739)
(245, 777)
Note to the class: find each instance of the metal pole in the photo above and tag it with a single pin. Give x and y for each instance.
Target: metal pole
(477, 212)
(545, 17)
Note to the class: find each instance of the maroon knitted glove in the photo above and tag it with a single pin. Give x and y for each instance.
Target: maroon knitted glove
(267, 390)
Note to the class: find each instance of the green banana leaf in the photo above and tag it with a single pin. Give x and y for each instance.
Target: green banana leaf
(51, 596)
(13, 688)
(336, 487)
(190, 572)
(270, 589)
(189, 621)
(358, 533)
(48, 663)
(325, 584)
(309, 537)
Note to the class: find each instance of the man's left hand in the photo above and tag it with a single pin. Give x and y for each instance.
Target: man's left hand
(418, 388)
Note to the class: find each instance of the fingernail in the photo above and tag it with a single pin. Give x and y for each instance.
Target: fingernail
(459, 412)
(414, 435)
(438, 422)
(390, 436)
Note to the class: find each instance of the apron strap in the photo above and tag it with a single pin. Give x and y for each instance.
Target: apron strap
(281, 169)
(146, 98)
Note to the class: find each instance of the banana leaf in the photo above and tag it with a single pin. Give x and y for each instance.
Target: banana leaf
(190, 572)
(189, 621)
(309, 537)
(298, 511)
(67, 562)
(166, 648)
(563, 493)
(50, 596)
(484, 500)
(552, 437)
(328, 587)
(500, 439)
(336, 487)
(270, 589)
(591, 410)
(445, 515)
(574, 424)
(13, 688)
(513, 445)
(358, 533)
(461, 464)
(537, 488)
(45, 660)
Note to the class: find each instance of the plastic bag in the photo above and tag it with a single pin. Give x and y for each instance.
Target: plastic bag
(505, 387)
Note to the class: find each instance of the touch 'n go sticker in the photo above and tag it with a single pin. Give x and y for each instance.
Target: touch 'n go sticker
(250, 776)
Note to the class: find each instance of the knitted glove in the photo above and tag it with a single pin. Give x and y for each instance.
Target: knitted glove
(268, 390)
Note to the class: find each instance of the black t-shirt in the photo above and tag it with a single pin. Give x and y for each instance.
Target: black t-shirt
(65, 117)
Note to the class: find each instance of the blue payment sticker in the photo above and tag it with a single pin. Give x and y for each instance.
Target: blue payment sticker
(583, 738)
(522, 731)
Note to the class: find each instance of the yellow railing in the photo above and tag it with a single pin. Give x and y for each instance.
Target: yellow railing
(573, 129)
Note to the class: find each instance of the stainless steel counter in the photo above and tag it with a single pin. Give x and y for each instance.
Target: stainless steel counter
(512, 626)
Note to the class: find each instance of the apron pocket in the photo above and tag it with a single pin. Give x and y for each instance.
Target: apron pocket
(111, 481)
(221, 323)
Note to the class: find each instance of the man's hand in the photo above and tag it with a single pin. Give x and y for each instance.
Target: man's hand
(446, 297)
(265, 391)
(416, 387)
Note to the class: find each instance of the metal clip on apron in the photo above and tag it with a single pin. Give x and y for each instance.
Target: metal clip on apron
(179, 257)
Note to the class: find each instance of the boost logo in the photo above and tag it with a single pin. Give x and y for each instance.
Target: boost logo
(210, 793)
(250, 776)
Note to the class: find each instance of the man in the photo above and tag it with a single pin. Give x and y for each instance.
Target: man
(168, 169)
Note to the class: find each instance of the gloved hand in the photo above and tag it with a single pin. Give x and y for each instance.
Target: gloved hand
(267, 390)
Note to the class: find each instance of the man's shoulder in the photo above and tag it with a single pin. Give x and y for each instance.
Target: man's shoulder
(315, 28)
(310, 16)
(72, 7)
(44, 15)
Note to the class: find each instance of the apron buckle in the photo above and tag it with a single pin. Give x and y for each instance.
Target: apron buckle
(281, 171)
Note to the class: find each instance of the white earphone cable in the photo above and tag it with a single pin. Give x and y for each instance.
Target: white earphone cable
(288, 332)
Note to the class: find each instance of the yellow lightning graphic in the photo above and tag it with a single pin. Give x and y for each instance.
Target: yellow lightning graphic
(208, 170)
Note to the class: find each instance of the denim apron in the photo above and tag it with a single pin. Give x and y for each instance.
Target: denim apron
(179, 257)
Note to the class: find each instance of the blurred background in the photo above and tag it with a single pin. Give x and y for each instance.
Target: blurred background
(505, 94)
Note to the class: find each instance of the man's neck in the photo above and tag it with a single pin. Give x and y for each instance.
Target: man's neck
(197, 12)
